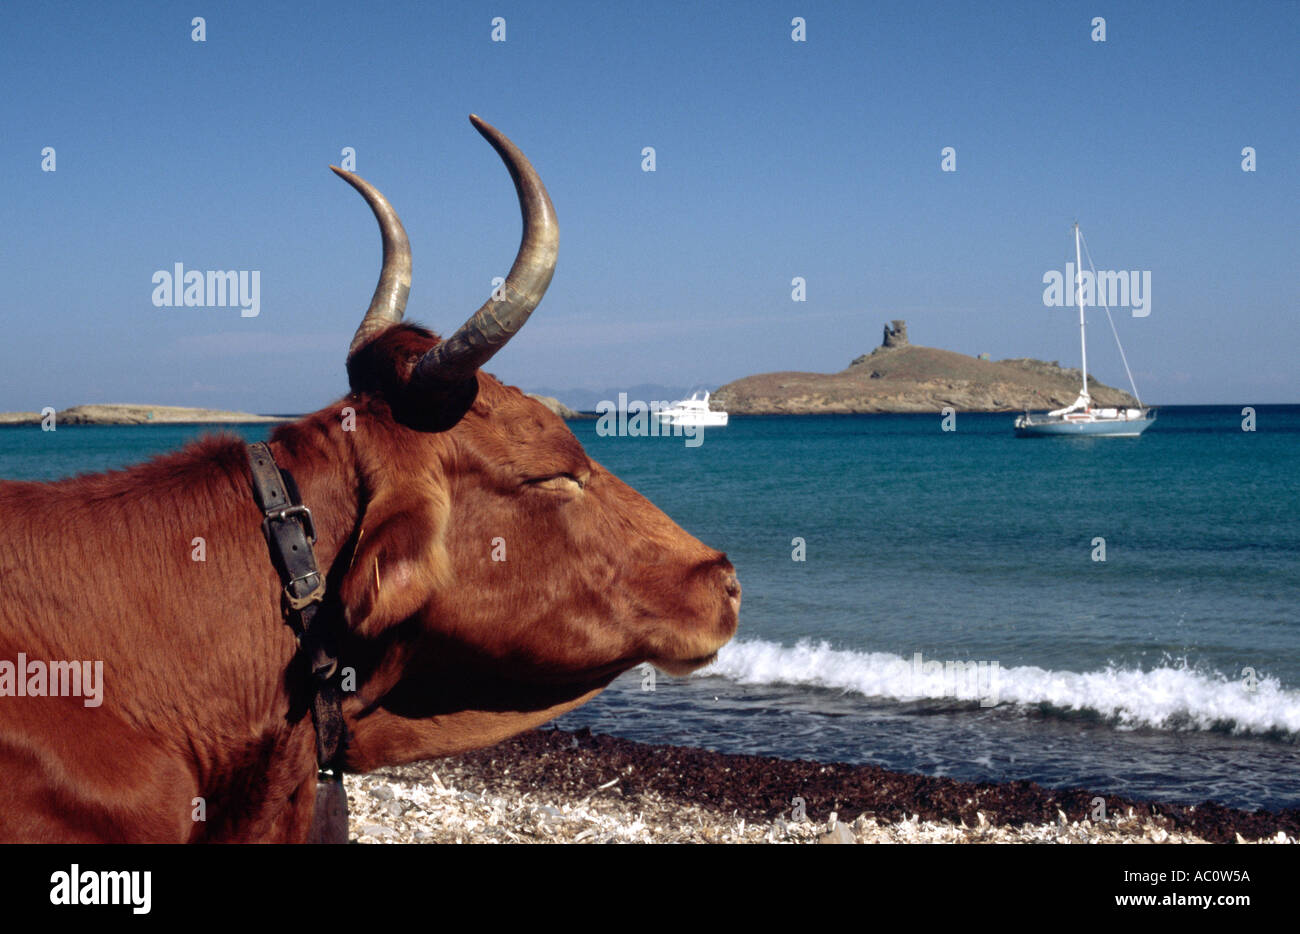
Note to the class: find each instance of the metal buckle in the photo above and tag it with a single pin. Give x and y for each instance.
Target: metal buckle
(298, 603)
(289, 512)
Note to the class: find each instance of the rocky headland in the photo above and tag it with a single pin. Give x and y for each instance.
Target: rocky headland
(117, 414)
(555, 405)
(899, 376)
(137, 415)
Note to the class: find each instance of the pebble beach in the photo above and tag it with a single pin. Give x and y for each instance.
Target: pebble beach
(555, 786)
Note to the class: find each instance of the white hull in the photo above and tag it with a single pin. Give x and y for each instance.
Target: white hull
(692, 412)
(1033, 425)
(708, 420)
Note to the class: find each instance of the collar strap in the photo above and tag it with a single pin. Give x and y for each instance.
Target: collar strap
(288, 528)
(290, 533)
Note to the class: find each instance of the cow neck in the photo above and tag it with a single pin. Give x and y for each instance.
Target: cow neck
(290, 531)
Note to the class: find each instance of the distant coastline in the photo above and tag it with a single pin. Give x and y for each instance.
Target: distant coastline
(127, 414)
(131, 414)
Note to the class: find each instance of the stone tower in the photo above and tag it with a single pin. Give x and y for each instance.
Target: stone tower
(895, 334)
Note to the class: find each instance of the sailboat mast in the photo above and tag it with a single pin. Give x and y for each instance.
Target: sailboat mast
(1078, 281)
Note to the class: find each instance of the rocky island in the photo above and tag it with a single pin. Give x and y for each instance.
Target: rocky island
(899, 376)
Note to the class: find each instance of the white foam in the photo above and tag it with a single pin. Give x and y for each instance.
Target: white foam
(1162, 698)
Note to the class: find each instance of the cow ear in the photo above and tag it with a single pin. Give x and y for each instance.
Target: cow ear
(397, 565)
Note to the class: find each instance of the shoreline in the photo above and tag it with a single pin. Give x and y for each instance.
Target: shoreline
(131, 414)
(117, 413)
(553, 785)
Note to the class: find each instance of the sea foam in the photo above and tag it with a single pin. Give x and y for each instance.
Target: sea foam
(1161, 698)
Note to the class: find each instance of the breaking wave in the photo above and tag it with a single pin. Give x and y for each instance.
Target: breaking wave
(1162, 698)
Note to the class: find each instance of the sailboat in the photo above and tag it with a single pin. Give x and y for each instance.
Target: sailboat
(1081, 417)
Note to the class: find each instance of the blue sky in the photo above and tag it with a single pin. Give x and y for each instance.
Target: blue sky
(774, 159)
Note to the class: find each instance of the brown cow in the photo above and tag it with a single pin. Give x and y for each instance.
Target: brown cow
(202, 683)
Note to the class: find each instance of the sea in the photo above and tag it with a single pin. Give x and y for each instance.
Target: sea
(1115, 614)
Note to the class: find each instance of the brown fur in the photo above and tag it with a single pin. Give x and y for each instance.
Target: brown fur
(203, 697)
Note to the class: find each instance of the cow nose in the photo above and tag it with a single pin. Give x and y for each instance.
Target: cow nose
(732, 585)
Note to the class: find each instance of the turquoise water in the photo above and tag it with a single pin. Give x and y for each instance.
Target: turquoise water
(1170, 670)
(1127, 675)
(977, 544)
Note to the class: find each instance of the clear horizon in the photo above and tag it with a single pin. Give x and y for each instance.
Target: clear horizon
(775, 159)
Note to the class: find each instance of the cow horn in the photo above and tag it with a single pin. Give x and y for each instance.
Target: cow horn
(488, 330)
(389, 301)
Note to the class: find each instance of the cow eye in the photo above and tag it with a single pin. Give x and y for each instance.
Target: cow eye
(559, 483)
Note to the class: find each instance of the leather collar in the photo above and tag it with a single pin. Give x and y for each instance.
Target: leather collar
(290, 533)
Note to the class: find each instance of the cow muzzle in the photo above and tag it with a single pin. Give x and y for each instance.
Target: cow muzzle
(698, 645)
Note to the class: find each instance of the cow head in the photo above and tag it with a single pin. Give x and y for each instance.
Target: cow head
(497, 575)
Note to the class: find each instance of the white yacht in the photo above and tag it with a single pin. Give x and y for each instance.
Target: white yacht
(692, 411)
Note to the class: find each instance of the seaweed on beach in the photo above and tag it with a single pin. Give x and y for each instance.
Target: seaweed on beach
(620, 789)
